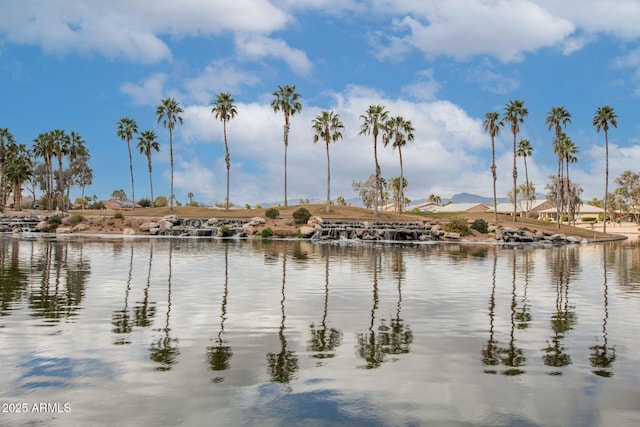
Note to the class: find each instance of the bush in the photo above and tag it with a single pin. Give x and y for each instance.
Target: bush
(160, 202)
(480, 225)
(589, 219)
(267, 232)
(54, 221)
(565, 218)
(458, 225)
(74, 219)
(144, 202)
(547, 219)
(96, 205)
(272, 213)
(301, 215)
(118, 215)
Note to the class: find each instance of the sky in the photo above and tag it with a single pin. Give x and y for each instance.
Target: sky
(82, 65)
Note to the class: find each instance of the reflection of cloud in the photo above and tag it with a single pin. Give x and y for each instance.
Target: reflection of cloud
(39, 372)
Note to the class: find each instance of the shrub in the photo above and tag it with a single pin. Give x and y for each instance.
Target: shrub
(480, 225)
(272, 213)
(54, 221)
(160, 202)
(565, 218)
(74, 219)
(547, 219)
(144, 202)
(267, 232)
(225, 229)
(258, 206)
(458, 225)
(96, 205)
(301, 215)
(118, 215)
(589, 219)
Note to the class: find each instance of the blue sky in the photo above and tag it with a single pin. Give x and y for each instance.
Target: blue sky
(83, 65)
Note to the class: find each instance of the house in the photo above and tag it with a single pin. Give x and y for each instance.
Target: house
(423, 207)
(583, 211)
(120, 205)
(461, 207)
(535, 207)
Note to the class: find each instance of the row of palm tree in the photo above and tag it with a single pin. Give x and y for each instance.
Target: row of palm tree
(557, 119)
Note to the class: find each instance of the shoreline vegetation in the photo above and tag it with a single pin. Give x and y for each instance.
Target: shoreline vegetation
(114, 222)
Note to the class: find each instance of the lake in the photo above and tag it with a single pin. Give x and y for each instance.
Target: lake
(148, 331)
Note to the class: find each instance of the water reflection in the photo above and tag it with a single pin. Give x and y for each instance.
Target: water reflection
(144, 311)
(603, 355)
(282, 366)
(369, 346)
(121, 319)
(219, 355)
(13, 277)
(164, 350)
(324, 340)
(490, 350)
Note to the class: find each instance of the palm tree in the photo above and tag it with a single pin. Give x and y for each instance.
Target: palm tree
(569, 150)
(514, 113)
(76, 149)
(60, 143)
(400, 131)
(6, 138)
(126, 129)
(169, 113)
(492, 124)
(287, 102)
(374, 119)
(327, 127)
(224, 111)
(17, 169)
(190, 196)
(146, 145)
(604, 117)
(557, 118)
(525, 149)
(43, 147)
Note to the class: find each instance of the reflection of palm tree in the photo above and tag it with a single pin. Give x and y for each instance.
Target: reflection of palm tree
(144, 312)
(121, 319)
(164, 351)
(489, 351)
(513, 357)
(523, 316)
(397, 337)
(369, 348)
(283, 365)
(603, 356)
(220, 354)
(324, 340)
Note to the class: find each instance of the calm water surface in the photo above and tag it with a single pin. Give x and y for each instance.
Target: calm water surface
(111, 331)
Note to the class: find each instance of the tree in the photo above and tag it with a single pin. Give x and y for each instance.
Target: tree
(604, 117)
(514, 113)
(327, 127)
(43, 147)
(119, 194)
(76, 150)
(6, 138)
(190, 196)
(60, 149)
(224, 110)
(127, 128)
(169, 112)
(286, 100)
(397, 190)
(492, 124)
(400, 131)
(557, 118)
(628, 192)
(17, 169)
(569, 149)
(147, 144)
(366, 190)
(372, 121)
(525, 149)
(82, 174)
(435, 198)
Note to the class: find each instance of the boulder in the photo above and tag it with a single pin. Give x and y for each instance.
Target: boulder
(307, 231)
(79, 227)
(147, 226)
(248, 229)
(212, 221)
(258, 220)
(452, 235)
(154, 231)
(16, 230)
(43, 226)
(171, 218)
(129, 231)
(63, 230)
(163, 224)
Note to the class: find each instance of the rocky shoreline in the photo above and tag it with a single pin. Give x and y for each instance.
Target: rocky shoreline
(316, 229)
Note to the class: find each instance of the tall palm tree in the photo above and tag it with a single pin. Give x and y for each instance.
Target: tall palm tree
(76, 149)
(525, 149)
(492, 124)
(514, 113)
(146, 145)
(17, 169)
(6, 138)
(604, 117)
(286, 100)
(127, 128)
(43, 147)
(169, 112)
(569, 150)
(372, 121)
(398, 131)
(327, 127)
(224, 110)
(60, 142)
(557, 118)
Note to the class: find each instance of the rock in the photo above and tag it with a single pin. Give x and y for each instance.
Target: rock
(16, 230)
(129, 231)
(492, 228)
(248, 229)
(163, 224)
(43, 226)
(171, 218)
(147, 226)
(80, 227)
(258, 220)
(307, 231)
(314, 221)
(63, 230)
(289, 222)
(212, 221)
(154, 231)
(452, 235)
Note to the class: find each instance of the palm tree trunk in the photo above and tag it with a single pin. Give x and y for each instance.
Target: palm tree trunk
(400, 205)
(515, 178)
(566, 192)
(526, 195)
(328, 209)
(150, 176)
(493, 172)
(60, 182)
(286, 145)
(606, 178)
(133, 194)
(171, 161)
(377, 191)
(227, 160)
(2, 158)
(558, 195)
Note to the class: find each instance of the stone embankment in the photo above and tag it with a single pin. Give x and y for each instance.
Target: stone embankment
(316, 229)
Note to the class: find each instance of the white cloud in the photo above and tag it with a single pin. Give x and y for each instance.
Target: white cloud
(425, 87)
(149, 92)
(219, 76)
(490, 80)
(258, 47)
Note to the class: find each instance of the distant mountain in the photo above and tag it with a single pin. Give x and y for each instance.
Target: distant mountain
(474, 198)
